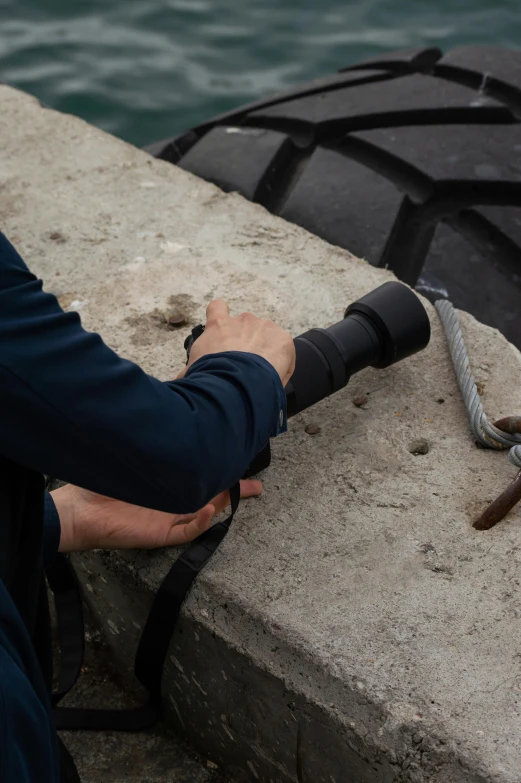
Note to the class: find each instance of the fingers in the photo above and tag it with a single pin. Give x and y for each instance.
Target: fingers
(215, 311)
(183, 534)
(190, 526)
(251, 488)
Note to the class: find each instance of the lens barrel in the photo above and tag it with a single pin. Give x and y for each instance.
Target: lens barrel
(381, 328)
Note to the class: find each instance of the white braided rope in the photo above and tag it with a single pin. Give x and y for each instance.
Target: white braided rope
(484, 431)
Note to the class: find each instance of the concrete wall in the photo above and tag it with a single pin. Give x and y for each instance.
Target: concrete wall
(353, 627)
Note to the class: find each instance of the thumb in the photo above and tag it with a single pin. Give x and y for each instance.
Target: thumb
(215, 311)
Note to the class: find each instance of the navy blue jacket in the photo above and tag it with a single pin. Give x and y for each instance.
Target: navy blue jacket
(71, 408)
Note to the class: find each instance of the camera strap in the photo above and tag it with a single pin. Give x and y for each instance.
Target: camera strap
(153, 644)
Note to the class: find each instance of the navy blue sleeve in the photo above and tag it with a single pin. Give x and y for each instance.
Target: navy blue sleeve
(75, 410)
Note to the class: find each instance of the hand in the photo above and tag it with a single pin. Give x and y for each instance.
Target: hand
(246, 333)
(92, 521)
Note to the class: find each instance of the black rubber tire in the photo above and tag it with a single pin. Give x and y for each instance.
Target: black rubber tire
(411, 161)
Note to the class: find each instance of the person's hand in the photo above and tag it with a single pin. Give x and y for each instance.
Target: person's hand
(92, 521)
(245, 333)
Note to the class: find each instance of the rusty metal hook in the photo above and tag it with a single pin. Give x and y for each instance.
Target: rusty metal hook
(500, 506)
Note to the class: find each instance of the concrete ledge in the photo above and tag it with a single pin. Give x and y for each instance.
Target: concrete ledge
(353, 627)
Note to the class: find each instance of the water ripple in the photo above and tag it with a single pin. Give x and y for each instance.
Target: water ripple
(144, 69)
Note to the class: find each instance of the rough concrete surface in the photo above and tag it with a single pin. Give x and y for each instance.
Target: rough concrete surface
(154, 756)
(353, 627)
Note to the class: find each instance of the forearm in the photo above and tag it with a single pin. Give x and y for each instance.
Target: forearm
(79, 412)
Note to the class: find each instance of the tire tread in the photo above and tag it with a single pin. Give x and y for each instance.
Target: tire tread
(416, 135)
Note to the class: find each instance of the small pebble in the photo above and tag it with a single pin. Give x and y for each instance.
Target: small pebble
(312, 429)
(56, 236)
(175, 319)
(361, 401)
(211, 765)
(419, 446)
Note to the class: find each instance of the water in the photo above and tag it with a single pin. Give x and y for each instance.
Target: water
(146, 69)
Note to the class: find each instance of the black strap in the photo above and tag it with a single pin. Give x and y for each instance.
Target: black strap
(68, 771)
(71, 633)
(154, 641)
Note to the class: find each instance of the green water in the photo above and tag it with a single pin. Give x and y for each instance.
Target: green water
(145, 69)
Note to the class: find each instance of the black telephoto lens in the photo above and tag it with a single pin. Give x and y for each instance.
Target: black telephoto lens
(381, 328)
